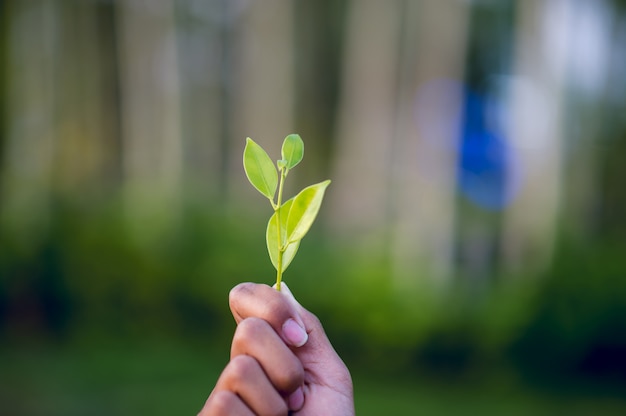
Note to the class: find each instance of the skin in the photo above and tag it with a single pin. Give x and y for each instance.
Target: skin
(281, 362)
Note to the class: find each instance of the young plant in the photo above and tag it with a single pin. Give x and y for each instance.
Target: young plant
(292, 219)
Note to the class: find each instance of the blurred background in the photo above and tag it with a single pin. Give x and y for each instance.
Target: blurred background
(470, 255)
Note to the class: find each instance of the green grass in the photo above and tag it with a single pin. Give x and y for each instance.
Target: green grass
(494, 396)
(167, 379)
(116, 380)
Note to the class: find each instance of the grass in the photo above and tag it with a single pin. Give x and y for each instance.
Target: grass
(494, 396)
(161, 378)
(156, 379)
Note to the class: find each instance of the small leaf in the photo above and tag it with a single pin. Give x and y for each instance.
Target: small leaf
(260, 169)
(292, 150)
(303, 210)
(271, 237)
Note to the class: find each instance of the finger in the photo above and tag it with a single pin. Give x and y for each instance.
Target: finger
(317, 336)
(320, 360)
(244, 376)
(256, 338)
(249, 299)
(225, 402)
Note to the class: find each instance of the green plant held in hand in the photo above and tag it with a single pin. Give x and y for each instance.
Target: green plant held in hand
(292, 219)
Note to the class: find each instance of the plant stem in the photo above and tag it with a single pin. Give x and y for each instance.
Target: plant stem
(281, 249)
(279, 270)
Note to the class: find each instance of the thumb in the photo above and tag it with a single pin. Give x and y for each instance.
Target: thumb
(309, 320)
(318, 357)
(318, 341)
(290, 297)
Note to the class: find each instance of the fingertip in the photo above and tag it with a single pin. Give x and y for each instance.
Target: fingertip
(242, 291)
(244, 287)
(237, 290)
(296, 399)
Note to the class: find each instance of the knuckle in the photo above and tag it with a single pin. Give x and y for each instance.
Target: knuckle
(241, 368)
(220, 402)
(290, 378)
(280, 410)
(249, 330)
(277, 409)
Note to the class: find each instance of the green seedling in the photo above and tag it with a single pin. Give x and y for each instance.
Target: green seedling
(292, 219)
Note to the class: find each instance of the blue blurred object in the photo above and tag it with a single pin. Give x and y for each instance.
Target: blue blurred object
(488, 166)
(488, 169)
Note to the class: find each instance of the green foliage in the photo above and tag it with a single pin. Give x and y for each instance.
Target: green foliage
(260, 169)
(291, 220)
(272, 237)
(303, 211)
(88, 278)
(577, 326)
(88, 275)
(292, 150)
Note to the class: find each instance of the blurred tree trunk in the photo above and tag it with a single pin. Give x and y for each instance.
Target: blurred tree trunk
(108, 96)
(205, 66)
(31, 129)
(151, 126)
(82, 126)
(4, 59)
(537, 133)
(484, 165)
(359, 196)
(594, 52)
(262, 82)
(612, 222)
(319, 30)
(393, 49)
(425, 155)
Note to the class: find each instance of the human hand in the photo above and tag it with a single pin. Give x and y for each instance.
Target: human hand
(281, 360)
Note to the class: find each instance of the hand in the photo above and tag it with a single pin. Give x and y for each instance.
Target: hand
(281, 360)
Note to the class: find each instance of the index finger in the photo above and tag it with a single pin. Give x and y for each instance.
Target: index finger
(261, 301)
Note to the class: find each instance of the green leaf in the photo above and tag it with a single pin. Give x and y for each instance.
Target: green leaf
(271, 237)
(304, 209)
(260, 169)
(292, 150)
